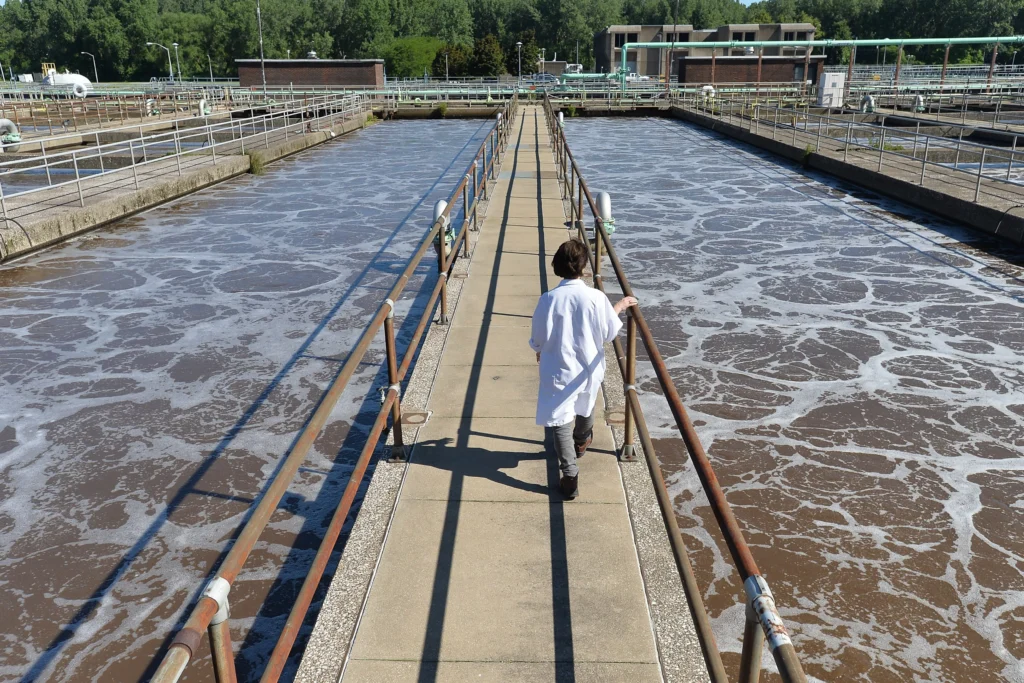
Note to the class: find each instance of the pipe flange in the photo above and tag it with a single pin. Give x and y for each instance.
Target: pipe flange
(628, 388)
(391, 307)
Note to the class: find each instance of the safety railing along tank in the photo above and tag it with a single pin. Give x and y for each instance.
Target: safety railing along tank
(36, 109)
(152, 118)
(762, 617)
(211, 612)
(161, 154)
(803, 128)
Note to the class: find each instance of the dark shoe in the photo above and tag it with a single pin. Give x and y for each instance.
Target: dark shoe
(581, 448)
(569, 486)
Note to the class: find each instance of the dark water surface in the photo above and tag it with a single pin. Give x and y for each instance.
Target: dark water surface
(854, 369)
(153, 374)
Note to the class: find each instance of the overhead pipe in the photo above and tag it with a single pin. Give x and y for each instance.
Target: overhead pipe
(825, 43)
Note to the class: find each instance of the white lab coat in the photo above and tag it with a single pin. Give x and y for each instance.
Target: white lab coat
(571, 325)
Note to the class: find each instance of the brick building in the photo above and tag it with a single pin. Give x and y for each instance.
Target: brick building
(745, 69)
(653, 61)
(284, 72)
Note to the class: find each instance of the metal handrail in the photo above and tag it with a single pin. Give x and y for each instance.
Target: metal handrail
(143, 123)
(762, 617)
(262, 127)
(923, 142)
(211, 611)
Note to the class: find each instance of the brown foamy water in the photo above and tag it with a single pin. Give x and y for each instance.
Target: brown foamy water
(854, 369)
(154, 373)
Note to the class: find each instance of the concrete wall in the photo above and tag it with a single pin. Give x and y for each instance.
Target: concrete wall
(365, 72)
(16, 240)
(948, 206)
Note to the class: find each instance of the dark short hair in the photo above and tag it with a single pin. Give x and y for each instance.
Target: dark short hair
(571, 259)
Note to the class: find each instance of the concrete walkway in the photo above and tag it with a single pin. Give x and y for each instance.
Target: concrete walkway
(486, 574)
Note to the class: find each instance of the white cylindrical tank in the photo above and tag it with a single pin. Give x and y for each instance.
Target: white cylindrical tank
(79, 85)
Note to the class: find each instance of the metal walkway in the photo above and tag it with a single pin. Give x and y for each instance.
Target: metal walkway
(486, 573)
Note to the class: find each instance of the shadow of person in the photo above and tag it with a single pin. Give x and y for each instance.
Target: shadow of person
(492, 465)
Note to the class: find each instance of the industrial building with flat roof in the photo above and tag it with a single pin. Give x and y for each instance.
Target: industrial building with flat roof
(366, 72)
(654, 61)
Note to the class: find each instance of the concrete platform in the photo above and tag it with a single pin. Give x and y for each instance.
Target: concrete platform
(487, 574)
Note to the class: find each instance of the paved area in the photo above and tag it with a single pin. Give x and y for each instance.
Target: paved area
(487, 574)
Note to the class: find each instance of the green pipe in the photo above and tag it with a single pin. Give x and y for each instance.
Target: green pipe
(828, 42)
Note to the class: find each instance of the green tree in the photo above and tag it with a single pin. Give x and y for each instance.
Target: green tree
(410, 57)
(488, 59)
(457, 60)
(451, 22)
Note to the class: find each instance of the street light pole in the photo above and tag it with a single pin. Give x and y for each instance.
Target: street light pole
(519, 49)
(170, 66)
(177, 59)
(543, 53)
(210, 62)
(94, 71)
(263, 66)
(446, 66)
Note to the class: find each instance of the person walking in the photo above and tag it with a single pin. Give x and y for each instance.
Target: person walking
(571, 325)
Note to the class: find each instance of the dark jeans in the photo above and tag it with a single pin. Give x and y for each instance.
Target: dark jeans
(565, 438)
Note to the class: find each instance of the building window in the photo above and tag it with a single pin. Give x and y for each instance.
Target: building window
(620, 39)
(789, 35)
(683, 38)
(737, 36)
(802, 35)
(631, 38)
(750, 37)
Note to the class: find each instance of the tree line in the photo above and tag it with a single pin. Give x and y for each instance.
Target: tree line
(474, 37)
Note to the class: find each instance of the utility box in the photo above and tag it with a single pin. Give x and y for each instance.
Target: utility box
(830, 89)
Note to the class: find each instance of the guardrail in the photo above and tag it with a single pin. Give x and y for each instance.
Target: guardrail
(210, 614)
(762, 617)
(129, 163)
(877, 145)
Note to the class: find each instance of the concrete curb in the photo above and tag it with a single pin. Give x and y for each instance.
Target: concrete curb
(19, 239)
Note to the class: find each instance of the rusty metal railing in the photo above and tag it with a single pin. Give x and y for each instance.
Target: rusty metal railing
(211, 611)
(762, 617)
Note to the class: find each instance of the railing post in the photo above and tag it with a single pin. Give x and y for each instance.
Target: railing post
(628, 453)
(213, 146)
(775, 126)
(849, 139)
(750, 657)
(476, 199)
(398, 446)
(42, 146)
(100, 152)
(135, 169)
(3, 205)
(881, 148)
(924, 162)
(465, 216)
(981, 168)
(1013, 150)
(177, 150)
(78, 179)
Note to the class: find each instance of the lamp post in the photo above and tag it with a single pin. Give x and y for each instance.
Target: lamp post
(170, 66)
(446, 66)
(543, 52)
(177, 59)
(95, 73)
(519, 49)
(263, 66)
(210, 62)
